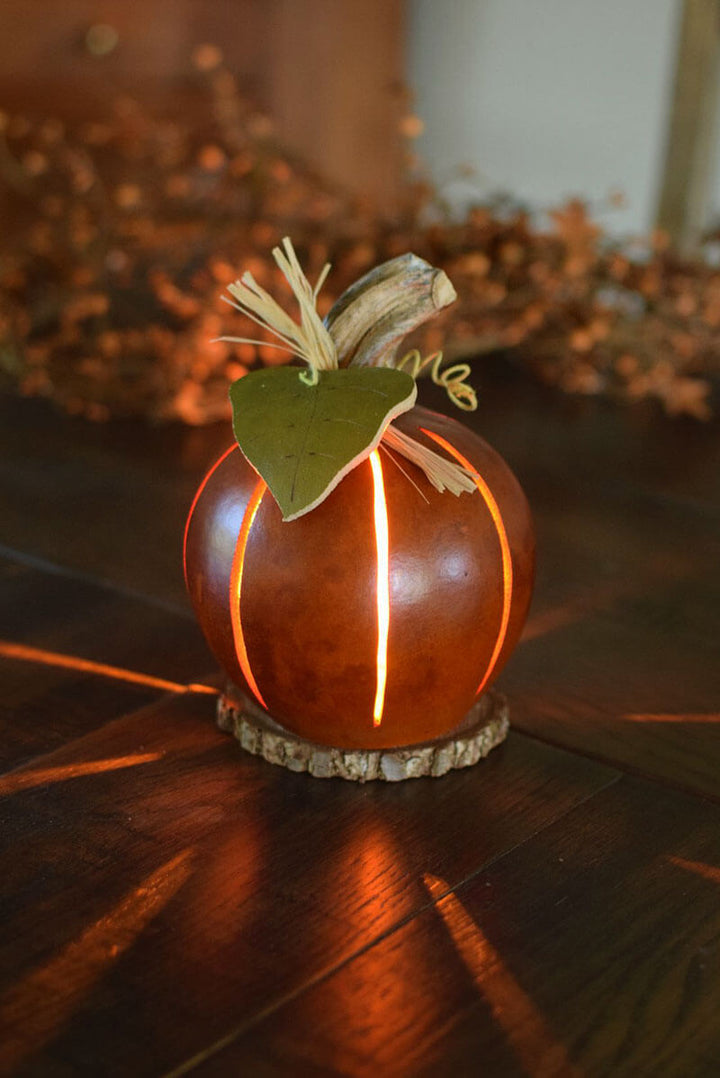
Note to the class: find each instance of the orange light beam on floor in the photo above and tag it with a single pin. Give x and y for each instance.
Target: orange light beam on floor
(593, 600)
(507, 569)
(549, 621)
(27, 779)
(9, 650)
(34, 1010)
(236, 578)
(708, 872)
(691, 717)
(382, 546)
(512, 1009)
(196, 499)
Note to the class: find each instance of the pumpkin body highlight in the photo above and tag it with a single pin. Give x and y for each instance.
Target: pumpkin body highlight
(292, 609)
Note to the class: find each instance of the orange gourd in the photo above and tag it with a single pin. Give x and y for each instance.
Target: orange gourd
(375, 620)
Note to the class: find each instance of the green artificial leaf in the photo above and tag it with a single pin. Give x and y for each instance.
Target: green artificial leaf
(302, 439)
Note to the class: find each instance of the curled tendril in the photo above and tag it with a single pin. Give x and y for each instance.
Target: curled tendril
(310, 376)
(452, 379)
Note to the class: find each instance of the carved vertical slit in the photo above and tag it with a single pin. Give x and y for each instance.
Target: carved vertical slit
(196, 499)
(382, 545)
(236, 578)
(507, 569)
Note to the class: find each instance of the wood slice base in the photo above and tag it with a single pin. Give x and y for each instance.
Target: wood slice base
(483, 728)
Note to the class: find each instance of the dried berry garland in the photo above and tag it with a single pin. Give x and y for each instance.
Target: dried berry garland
(121, 235)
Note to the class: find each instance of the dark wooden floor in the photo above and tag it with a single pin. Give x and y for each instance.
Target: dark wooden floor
(171, 905)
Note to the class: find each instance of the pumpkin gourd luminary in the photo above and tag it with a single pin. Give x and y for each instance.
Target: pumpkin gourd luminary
(361, 567)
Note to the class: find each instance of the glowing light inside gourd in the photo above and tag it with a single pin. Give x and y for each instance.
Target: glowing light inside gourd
(507, 569)
(196, 499)
(236, 578)
(382, 543)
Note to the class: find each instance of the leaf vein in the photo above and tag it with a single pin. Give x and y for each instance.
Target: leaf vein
(306, 434)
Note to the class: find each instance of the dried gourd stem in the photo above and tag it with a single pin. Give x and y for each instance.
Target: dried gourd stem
(368, 322)
(443, 474)
(370, 319)
(310, 339)
(452, 379)
(424, 291)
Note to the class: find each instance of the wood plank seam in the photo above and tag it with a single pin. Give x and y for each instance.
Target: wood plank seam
(667, 500)
(619, 765)
(32, 561)
(32, 762)
(242, 1028)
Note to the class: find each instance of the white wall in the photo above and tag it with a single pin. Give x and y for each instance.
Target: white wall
(547, 98)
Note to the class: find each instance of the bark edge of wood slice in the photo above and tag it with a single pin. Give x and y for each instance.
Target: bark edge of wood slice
(484, 727)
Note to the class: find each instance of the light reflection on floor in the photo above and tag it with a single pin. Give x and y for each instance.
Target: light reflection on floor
(577, 609)
(601, 597)
(25, 653)
(681, 717)
(46, 998)
(512, 1009)
(27, 779)
(708, 872)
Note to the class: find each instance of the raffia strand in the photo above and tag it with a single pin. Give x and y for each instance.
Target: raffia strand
(309, 339)
(443, 474)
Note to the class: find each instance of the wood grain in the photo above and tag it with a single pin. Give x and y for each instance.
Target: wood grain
(169, 902)
(627, 690)
(106, 500)
(620, 655)
(570, 955)
(42, 704)
(288, 878)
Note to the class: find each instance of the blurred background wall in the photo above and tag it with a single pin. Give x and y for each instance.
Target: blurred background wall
(547, 100)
